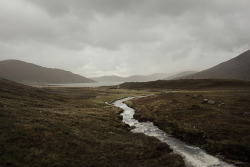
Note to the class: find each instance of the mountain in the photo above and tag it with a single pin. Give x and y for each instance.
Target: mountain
(24, 72)
(134, 78)
(236, 68)
(181, 74)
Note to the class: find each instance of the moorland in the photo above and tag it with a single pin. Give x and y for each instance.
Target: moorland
(54, 126)
(210, 113)
(72, 127)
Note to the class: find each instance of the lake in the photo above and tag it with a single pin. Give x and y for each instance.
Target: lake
(92, 85)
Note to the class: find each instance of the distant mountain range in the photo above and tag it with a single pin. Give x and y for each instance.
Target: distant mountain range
(181, 74)
(19, 71)
(24, 72)
(236, 68)
(134, 78)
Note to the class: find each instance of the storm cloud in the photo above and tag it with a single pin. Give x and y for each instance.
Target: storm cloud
(118, 37)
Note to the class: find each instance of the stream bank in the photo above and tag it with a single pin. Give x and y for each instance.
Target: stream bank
(193, 156)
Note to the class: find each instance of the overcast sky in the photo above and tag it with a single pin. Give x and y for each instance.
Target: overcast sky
(124, 37)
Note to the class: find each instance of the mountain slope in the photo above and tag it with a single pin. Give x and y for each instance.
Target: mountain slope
(236, 68)
(134, 78)
(181, 74)
(20, 71)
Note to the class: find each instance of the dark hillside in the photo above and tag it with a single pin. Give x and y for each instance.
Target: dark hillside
(236, 68)
(20, 71)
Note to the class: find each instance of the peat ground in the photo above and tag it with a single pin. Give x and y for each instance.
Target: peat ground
(72, 127)
(221, 128)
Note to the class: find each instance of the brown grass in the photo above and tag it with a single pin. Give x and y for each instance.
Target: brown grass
(222, 128)
(72, 127)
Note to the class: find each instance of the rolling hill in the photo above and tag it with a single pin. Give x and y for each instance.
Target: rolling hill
(20, 71)
(134, 78)
(236, 68)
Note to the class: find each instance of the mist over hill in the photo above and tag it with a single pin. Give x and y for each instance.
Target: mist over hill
(20, 71)
(134, 78)
(181, 74)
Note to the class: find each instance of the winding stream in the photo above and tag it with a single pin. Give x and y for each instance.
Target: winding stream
(193, 156)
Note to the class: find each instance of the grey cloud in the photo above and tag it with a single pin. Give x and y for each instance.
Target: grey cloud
(124, 36)
(86, 7)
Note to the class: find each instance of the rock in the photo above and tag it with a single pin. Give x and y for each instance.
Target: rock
(132, 127)
(205, 100)
(107, 103)
(208, 101)
(211, 102)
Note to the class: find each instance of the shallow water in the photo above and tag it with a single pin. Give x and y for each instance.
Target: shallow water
(193, 156)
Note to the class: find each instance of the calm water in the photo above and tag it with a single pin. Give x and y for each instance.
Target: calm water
(92, 85)
(193, 156)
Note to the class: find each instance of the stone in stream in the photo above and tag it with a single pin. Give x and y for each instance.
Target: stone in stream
(132, 127)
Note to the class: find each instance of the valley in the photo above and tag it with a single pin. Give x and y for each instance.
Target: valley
(58, 126)
(76, 124)
(115, 83)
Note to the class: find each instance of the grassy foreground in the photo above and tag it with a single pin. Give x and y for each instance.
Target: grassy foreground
(221, 128)
(72, 127)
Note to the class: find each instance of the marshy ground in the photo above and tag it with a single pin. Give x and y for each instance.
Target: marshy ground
(72, 127)
(221, 128)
